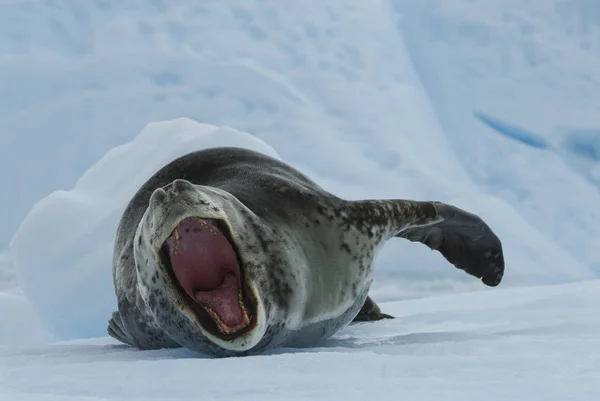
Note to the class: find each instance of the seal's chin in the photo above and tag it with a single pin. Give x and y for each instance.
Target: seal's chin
(204, 263)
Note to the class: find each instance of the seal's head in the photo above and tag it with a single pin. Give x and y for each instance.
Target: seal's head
(200, 271)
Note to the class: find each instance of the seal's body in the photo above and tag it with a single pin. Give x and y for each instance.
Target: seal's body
(231, 252)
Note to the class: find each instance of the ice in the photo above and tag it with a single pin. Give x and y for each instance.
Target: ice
(515, 62)
(580, 148)
(379, 99)
(514, 132)
(21, 325)
(8, 278)
(535, 344)
(583, 143)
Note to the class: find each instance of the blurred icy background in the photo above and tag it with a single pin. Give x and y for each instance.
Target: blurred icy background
(493, 105)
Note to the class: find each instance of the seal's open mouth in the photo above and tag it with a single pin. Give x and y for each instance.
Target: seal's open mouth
(204, 262)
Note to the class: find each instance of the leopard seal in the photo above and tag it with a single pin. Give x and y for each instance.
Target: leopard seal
(229, 252)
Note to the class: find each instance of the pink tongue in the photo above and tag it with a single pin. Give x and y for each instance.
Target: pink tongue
(205, 264)
(224, 301)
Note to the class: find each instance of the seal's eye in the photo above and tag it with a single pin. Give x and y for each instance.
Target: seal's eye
(204, 263)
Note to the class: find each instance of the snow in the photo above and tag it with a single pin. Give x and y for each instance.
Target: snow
(8, 277)
(529, 64)
(492, 105)
(584, 144)
(580, 148)
(529, 343)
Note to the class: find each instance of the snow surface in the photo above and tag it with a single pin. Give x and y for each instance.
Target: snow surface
(529, 344)
(377, 99)
(8, 278)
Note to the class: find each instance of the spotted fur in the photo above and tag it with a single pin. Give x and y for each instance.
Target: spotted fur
(306, 254)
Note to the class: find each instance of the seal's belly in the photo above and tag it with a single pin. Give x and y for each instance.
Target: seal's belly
(313, 333)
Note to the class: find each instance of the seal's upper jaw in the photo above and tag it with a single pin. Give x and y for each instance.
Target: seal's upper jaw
(205, 267)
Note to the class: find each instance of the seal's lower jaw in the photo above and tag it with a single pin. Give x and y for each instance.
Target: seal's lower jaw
(204, 264)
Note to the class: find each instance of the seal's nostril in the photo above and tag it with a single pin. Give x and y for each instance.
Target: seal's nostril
(159, 196)
(180, 186)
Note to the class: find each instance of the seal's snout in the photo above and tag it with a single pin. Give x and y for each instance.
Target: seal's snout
(205, 264)
(161, 196)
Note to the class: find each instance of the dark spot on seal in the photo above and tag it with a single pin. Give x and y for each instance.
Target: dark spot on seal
(287, 290)
(267, 303)
(152, 301)
(346, 247)
(362, 267)
(162, 303)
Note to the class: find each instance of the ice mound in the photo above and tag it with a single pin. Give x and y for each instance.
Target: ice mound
(20, 325)
(8, 277)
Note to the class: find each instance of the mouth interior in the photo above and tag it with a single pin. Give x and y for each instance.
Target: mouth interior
(205, 264)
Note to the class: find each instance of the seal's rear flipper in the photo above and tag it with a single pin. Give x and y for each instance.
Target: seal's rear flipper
(370, 312)
(136, 331)
(463, 238)
(116, 331)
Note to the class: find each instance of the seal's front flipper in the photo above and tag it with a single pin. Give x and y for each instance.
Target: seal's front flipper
(463, 238)
(370, 312)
